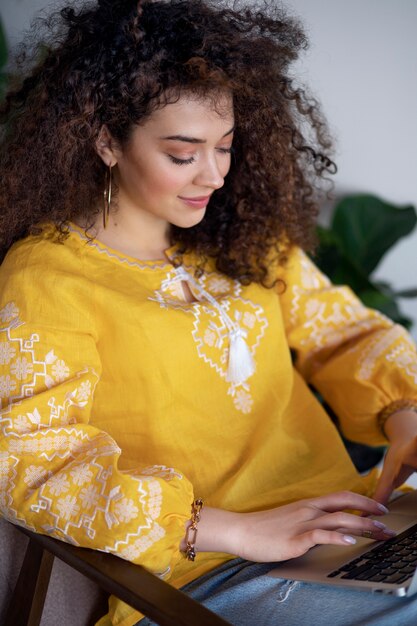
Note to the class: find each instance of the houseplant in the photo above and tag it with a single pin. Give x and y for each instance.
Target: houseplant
(363, 229)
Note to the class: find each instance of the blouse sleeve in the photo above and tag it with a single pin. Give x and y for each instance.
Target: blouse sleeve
(359, 361)
(59, 474)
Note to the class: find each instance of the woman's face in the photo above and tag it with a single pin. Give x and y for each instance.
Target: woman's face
(175, 161)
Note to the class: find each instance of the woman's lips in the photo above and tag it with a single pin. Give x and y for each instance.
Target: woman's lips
(198, 202)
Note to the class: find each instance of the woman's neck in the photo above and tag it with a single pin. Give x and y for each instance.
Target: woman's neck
(130, 234)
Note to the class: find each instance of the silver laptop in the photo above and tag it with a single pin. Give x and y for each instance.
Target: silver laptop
(382, 567)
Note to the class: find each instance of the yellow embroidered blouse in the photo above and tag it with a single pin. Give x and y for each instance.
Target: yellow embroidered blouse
(116, 408)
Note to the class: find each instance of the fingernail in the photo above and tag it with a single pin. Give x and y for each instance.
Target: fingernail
(383, 508)
(390, 532)
(379, 524)
(349, 539)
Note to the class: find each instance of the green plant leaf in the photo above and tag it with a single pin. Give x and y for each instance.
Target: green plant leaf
(332, 260)
(366, 227)
(406, 293)
(329, 252)
(375, 299)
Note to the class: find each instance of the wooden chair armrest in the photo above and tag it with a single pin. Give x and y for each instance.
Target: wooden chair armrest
(131, 583)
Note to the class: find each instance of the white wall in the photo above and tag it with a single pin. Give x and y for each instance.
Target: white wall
(362, 65)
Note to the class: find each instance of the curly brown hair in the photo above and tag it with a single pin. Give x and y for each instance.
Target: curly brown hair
(111, 63)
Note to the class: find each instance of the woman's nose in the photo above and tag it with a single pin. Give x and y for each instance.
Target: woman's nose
(210, 175)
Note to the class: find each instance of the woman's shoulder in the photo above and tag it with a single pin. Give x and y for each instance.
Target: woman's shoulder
(47, 249)
(43, 274)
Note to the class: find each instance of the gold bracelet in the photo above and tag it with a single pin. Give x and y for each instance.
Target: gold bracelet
(394, 407)
(196, 507)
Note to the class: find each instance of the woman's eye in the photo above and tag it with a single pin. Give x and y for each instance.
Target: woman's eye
(181, 161)
(191, 159)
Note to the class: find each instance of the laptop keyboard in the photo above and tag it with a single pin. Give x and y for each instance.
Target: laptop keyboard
(393, 561)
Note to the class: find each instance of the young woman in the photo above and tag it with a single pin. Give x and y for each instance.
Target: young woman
(158, 170)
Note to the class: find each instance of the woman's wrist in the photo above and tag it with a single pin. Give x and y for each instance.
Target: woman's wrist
(400, 425)
(217, 531)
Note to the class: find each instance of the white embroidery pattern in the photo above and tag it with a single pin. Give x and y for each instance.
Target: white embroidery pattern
(9, 312)
(404, 356)
(332, 323)
(81, 474)
(51, 370)
(8, 473)
(154, 502)
(35, 475)
(67, 507)
(7, 352)
(370, 356)
(86, 491)
(126, 510)
(134, 550)
(89, 496)
(148, 265)
(160, 471)
(7, 386)
(21, 368)
(327, 322)
(22, 424)
(243, 401)
(310, 279)
(58, 484)
(60, 371)
(210, 331)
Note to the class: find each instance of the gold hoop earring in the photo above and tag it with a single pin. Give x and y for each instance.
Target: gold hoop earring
(107, 196)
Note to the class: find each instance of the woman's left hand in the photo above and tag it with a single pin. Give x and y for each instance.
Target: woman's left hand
(401, 458)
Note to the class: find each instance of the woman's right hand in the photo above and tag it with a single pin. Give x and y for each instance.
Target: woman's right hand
(291, 530)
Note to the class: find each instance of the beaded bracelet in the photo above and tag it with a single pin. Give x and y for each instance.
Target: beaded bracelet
(191, 534)
(394, 407)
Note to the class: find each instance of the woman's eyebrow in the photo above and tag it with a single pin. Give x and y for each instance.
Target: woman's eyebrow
(192, 139)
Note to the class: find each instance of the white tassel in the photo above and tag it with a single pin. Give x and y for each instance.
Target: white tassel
(241, 365)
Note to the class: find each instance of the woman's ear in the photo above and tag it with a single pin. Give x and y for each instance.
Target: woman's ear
(106, 148)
